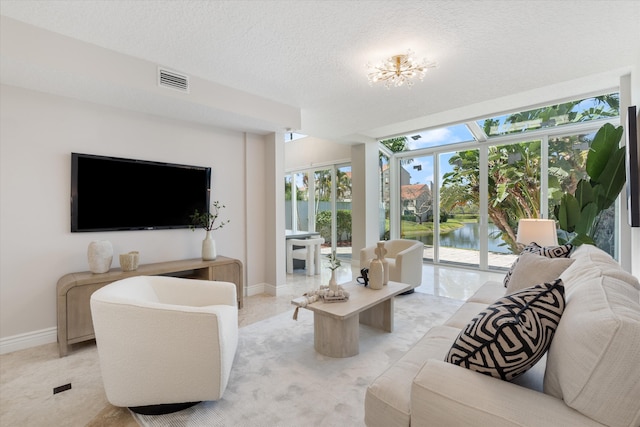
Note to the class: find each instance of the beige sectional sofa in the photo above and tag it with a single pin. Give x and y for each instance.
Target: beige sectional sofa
(590, 375)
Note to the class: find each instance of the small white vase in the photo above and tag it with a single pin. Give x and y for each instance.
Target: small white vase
(333, 284)
(100, 255)
(376, 274)
(209, 248)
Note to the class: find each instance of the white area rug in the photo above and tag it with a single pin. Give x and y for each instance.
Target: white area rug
(278, 379)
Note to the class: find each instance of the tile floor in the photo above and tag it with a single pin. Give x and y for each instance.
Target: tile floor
(27, 377)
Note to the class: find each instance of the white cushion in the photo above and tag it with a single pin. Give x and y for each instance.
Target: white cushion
(593, 262)
(388, 399)
(532, 269)
(594, 360)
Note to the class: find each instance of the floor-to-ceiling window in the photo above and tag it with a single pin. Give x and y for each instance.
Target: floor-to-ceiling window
(416, 200)
(487, 174)
(296, 194)
(319, 200)
(459, 219)
(385, 193)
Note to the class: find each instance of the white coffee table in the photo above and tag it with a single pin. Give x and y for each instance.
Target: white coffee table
(335, 324)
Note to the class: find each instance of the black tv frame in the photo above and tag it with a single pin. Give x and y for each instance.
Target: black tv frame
(633, 167)
(124, 186)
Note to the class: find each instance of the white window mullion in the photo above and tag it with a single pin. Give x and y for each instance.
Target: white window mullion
(334, 221)
(311, 200)
(544, 177)
(436, 207)
(394, 198)
(294, 202)
(484, 206)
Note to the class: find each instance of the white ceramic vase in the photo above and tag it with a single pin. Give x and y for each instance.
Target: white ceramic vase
(381, 252)
(333, 284)
(100, 255)
(376, 274)
(209, 247)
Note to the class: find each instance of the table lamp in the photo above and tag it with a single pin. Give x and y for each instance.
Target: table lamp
(541, 231)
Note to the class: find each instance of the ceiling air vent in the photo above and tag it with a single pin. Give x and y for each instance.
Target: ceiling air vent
(173, 80)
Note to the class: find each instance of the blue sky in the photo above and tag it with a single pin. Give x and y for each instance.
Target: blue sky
(435, 138)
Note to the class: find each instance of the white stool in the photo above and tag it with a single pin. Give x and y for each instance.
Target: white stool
(309, 252)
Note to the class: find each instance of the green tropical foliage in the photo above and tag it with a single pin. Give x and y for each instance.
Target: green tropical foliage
(343, 226)
(396, 144)
(607, 106)
(514, 173)
(300, 195)
(580, 213)
(513, 185)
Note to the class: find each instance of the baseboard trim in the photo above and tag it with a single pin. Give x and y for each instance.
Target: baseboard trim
(28, 340)
(255, 289)
(266, 288)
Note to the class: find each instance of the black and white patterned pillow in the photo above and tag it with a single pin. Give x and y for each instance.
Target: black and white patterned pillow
(512, 334)
(562, 251)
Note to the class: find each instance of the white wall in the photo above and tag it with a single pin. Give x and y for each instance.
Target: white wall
(307, 152)
(37, 134)
(256, 202)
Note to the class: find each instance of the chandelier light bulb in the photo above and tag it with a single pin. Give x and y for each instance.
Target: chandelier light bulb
(399, 70)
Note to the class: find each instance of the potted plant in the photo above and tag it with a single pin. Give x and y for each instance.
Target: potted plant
(578, 215)
(207, 221)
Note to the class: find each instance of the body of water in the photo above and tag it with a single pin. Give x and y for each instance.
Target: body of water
(468, 237)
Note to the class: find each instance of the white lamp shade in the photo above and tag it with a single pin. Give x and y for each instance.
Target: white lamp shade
(541, 231)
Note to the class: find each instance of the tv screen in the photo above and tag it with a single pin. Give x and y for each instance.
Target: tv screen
(111, 193)
(633, 168)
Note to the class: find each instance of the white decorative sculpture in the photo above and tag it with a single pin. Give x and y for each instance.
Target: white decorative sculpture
(100, 255)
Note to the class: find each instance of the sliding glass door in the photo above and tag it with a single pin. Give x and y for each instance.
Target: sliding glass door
(459, 218)
(416, 201)
(321, 205)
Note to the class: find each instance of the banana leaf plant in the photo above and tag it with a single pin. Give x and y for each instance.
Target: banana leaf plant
(578, 215)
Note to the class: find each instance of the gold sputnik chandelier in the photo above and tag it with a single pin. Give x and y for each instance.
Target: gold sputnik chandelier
(399, 70)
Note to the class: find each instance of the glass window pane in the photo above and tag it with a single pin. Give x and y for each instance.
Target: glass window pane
(459, 201)
(581, 110)
(323, 204)
(514, 193)
(384, 196)
(416, 192)
(567, 165)
(439, 137)
(343, 211)
(288, 210)
(301, 205)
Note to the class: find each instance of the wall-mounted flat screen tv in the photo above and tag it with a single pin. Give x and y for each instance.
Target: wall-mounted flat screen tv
(111, 193)
(632, 164)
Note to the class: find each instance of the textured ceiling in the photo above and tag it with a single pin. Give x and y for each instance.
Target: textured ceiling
(311, 54)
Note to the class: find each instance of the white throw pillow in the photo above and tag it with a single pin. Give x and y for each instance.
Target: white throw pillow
(532, 269)
(562, 251)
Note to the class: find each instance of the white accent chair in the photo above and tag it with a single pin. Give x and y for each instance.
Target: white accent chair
(165, 343)
(404, 257)
(308, 250)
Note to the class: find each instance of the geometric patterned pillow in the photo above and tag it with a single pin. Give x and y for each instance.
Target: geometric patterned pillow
(512, 334)
(562, 251)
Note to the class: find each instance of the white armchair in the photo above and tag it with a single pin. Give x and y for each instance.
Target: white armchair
(404, 257)
(165, 343)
